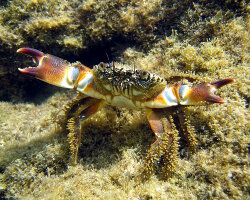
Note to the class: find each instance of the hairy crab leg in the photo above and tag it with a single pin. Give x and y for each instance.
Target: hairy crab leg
(187, 129)
(81, 108)
(165, 144)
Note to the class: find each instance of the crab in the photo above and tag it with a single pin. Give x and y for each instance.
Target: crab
(129, 88)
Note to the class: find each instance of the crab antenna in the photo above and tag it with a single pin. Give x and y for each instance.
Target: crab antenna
(134, 67)
(107, 56)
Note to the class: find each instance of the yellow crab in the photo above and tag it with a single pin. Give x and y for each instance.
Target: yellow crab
(121, 87)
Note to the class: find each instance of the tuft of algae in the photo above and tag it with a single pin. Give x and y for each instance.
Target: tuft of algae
(202, 40)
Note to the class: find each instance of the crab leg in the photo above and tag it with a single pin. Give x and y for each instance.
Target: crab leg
(165, 144)
(82, 108)
(187, 129)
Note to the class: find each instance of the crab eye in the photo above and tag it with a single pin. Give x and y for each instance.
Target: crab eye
(183, 90)
(73, 73)
(142, 74)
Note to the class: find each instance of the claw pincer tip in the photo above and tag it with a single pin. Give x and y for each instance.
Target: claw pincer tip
(34, 53)
(218, 84)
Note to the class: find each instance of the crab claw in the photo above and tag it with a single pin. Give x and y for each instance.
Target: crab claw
(202, 93)
(50, 69)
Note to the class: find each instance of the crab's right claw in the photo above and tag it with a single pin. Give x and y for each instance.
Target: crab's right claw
(50, 69)
(203, 92)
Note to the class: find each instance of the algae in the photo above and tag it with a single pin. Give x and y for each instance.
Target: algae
(194, 39)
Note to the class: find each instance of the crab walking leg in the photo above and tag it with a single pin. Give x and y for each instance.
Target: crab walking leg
(165, 144)
(187, 129)
(170, 142)
(82, 108)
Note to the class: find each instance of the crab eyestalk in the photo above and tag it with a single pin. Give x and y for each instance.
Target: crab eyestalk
(52, 69)
(202, 93)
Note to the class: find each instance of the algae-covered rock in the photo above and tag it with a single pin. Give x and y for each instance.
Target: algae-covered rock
(199, 40)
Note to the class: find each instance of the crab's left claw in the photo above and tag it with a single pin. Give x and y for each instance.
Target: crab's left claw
(50, 69)
(203, 92)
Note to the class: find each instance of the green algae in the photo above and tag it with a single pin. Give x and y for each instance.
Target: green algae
(209, 41)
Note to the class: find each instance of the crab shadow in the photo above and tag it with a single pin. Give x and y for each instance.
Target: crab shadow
(104, 138)
(103, 143)
(101, 146)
